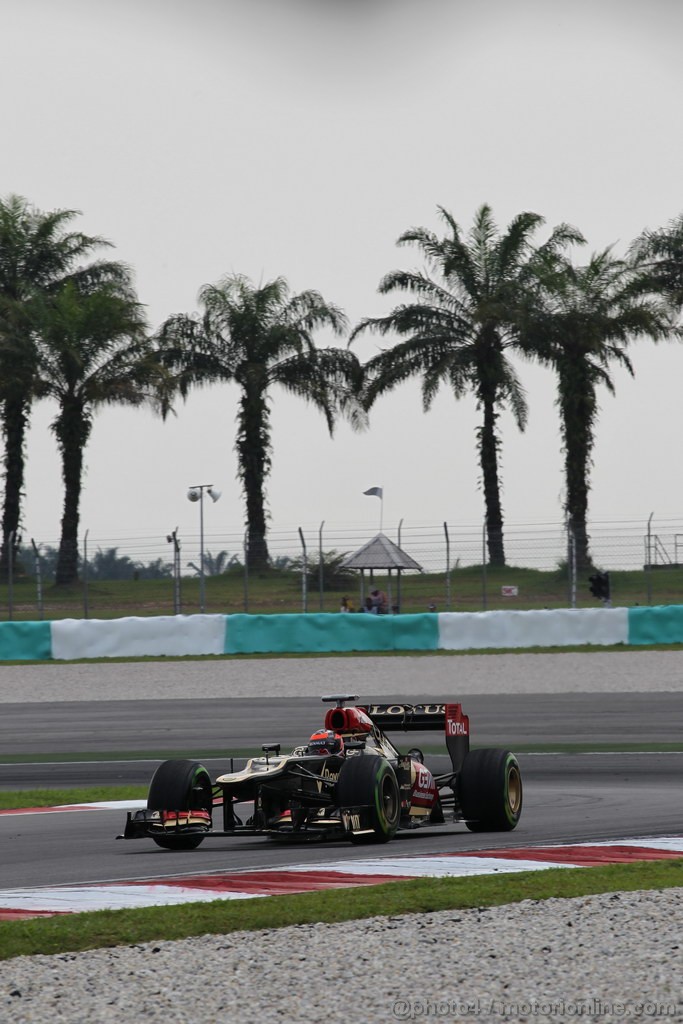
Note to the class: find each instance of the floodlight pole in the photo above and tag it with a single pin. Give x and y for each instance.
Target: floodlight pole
(202, 578)
(196, 493)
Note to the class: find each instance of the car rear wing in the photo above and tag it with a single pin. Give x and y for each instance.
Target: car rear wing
(426, 717)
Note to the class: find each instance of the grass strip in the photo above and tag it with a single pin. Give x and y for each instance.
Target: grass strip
(299, 655)
(589, 747)
(129, 755)
(15, 799)
(108, 928)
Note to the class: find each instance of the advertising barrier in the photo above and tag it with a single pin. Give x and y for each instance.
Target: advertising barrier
(180, 635)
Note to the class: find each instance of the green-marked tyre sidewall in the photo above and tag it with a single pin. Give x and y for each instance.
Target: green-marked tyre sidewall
(180, 785)
(388, 828)
(364, 781)
(490, 790)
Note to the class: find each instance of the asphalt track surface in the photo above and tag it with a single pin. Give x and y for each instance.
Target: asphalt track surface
(226, 726)
(568, 797)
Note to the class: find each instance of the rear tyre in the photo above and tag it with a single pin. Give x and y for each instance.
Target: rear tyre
(180, 786)
(490, 790)
(370, 780)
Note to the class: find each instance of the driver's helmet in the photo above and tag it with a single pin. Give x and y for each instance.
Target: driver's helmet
(326, 742)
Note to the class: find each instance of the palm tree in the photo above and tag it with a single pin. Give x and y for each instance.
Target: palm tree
(216, 565)
(580, 322)
(92, 351)
(37, 253)
(326, 569)
(110, 565)
(257, 337)
(658, 255)
(461, 325)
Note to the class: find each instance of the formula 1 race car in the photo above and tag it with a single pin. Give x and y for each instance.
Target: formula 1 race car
(348, 782)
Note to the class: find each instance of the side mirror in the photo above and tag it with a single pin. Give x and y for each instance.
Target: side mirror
(270, 748)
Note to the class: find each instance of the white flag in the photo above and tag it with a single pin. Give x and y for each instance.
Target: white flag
(374, 492)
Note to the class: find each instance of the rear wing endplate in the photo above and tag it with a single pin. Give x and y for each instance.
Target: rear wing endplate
(426, 717)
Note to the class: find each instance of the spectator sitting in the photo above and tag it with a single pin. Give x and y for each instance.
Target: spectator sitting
(369, 606)
(346, 605)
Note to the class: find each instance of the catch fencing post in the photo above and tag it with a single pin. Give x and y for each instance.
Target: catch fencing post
(648, 559)
(448, 567)
(172, 538)
(246, 570)
(321, 580)
(399, 598)
(304, 572)
(571, 563)
(484, 595)
(10, 576)
(85, 575)
(39, 579)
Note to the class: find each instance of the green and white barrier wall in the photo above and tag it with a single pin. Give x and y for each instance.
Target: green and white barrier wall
(25, 640)
(177, 635)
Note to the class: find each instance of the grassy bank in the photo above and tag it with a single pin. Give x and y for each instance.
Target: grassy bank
(99, 929)
(14, 799)
(468, 589)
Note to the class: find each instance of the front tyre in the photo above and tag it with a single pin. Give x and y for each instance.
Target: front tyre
(490, 790)
(369, 781)
(180, 786)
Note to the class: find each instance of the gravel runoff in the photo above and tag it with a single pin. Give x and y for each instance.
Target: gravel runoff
(594, 671)
(606, 957)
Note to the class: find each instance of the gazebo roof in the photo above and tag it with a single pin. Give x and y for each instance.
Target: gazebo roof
(380, 553)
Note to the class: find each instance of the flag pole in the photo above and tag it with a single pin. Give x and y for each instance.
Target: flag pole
(378, 492)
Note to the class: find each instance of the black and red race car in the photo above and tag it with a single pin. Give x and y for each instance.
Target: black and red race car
(349, 781)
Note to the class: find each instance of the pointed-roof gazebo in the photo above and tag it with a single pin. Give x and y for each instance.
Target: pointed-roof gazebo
(381, 553)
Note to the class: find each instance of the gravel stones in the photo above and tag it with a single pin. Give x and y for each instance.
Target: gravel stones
(625, 671)
(608, 957)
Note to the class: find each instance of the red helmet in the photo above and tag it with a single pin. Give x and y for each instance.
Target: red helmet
(326, 742)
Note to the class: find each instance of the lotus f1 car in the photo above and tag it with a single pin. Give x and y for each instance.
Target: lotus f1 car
(348, 782)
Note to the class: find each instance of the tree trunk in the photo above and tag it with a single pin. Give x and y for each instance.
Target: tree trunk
(15, 420)
(253, 443)
(488, 454)
(72, 435)
(578, 408)
(577, 515)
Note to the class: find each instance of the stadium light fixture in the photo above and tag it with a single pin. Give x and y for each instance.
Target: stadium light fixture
(196, 493)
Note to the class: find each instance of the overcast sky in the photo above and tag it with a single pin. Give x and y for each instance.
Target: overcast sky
(284, 137)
